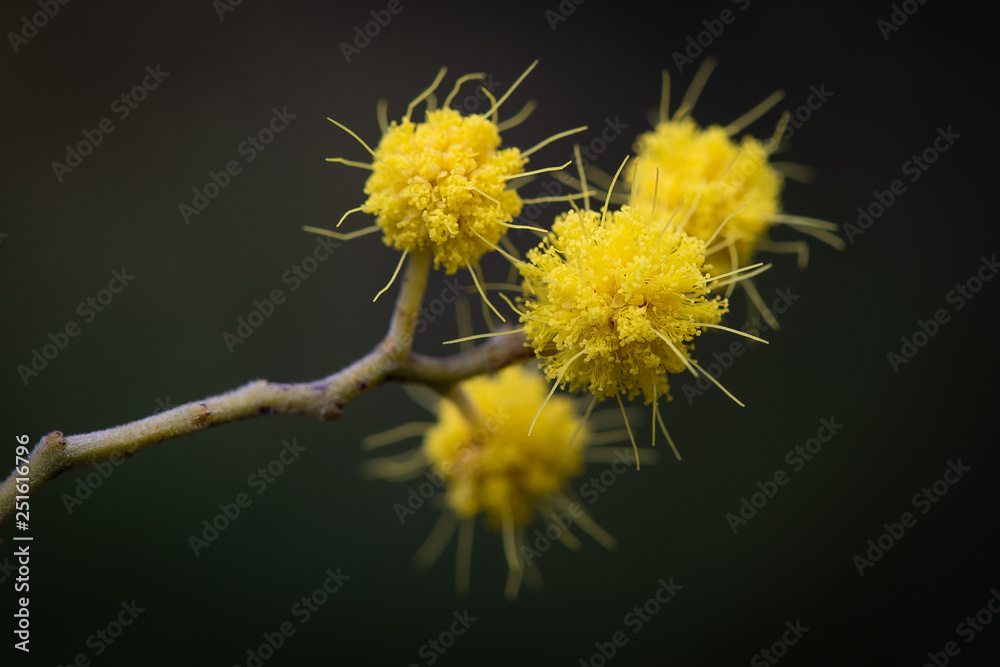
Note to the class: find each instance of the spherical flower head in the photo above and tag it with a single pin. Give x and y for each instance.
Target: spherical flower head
(706, 169)
(490, 464)
(437, 184)
(612, 304)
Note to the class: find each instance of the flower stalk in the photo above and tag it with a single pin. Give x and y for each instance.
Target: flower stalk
(323, 399)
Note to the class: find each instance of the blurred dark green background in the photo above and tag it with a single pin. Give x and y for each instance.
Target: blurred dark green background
(160, 340)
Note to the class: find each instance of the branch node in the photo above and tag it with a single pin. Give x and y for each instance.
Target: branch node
(200, 413)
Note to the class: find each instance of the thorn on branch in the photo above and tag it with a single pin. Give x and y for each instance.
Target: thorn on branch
(201, 413)
(54, 439)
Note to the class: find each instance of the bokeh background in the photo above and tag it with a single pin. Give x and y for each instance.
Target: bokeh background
(159, 342)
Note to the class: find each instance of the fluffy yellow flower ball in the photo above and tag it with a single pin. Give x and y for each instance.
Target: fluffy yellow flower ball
(614, 301)
(442, 185)
(715, 178)
(490, 464)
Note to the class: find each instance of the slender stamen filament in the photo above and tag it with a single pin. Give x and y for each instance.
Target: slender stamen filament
(512, 307)
(424, 95)
(382, 113)
(723, 224)
(458, 84)
(511, 177)
(734, 272)
(717, 384)
(483, 194)
(588, 525)
(353, 134)
(665, 98)
(484, 335)
(743, 277)
(683, 357)
(629, 429)
(583, 178)
(750, 116)
(667, 435)
(513, 260)
(496, 105)
(435, 543)
(393, 435)
(607, 201)
(510, 552)
(697, 85)
(735, 331)
(394, 274)
(489, 95)
(585, 195)
(475, 279)
(555, 385)
(351, 163)
(545, 142)
(803, 221)
(579, 427)
(364, 231)
(519, 117)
